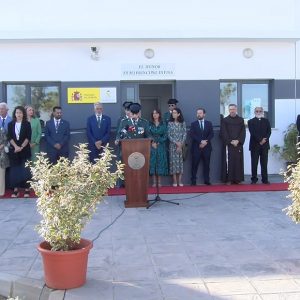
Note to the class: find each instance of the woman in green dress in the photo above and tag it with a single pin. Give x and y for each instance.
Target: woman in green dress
(36, 131)
(158, 157)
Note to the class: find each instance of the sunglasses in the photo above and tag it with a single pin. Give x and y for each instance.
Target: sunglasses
(171, 104)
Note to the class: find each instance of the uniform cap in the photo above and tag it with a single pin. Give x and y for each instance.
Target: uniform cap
(172, 101)
(126, 104)
(135, 108)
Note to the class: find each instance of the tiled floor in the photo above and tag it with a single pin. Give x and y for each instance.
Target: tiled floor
(211, 246)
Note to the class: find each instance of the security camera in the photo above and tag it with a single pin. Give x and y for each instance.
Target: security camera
(94, 49)
(95, 53)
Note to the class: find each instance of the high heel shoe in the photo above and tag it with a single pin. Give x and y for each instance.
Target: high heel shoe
(15, 194)
(27, 193)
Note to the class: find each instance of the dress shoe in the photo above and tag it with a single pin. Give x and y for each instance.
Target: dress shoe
(253, 182)
(193, 183)
(207, 183)
(266, 182)
(235, 182)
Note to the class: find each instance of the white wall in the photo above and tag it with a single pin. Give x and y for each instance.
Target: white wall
(149, 19)
(70, 61)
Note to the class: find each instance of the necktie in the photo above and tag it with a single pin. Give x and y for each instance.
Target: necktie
(56, 126)
(201, 125)
(98, 121)
(3, 122)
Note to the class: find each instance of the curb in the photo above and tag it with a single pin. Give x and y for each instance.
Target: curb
(27, 288)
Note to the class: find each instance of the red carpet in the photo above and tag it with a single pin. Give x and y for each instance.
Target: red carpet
(21, 194)
(217, 188)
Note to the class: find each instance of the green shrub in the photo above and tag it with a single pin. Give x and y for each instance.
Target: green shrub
(68, 193)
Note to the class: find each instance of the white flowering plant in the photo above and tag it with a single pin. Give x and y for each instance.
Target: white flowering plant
(68, 194)
(292, 177)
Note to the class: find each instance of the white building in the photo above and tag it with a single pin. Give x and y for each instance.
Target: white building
(151, 51)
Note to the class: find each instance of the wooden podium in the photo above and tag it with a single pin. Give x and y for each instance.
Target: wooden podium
(136, 157)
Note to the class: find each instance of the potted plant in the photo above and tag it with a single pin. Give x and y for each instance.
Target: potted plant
(68, 194)
(288, 151)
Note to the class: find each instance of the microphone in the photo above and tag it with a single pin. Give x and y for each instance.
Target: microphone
(123, 133)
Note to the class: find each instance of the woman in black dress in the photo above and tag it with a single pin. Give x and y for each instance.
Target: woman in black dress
(19, 134)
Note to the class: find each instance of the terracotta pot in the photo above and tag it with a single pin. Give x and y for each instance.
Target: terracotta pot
(65, 269)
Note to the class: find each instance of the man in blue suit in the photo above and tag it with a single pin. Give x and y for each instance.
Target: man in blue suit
(98, 131)
(201, 134)
(4, 117)
(57, 134)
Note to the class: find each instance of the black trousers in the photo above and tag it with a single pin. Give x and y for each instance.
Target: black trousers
(261, 154)
(197, 156)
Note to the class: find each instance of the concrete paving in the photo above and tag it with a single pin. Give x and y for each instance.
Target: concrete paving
(212, 246)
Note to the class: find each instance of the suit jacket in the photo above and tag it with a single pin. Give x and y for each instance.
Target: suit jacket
(197, 135)
(8, 119)
(62, 136)
(94, 133)
(259, 129)
(25, 133)
(298, 123)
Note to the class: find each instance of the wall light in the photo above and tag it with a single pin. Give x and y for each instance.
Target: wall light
(248, 53)
(149, 53)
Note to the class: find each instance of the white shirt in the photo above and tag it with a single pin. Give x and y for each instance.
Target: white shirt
(18, 129)
(202, 123)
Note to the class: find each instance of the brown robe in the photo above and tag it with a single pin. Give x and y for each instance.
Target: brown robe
(232, 128)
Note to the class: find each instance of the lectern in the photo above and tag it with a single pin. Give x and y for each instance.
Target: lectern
(136, 157)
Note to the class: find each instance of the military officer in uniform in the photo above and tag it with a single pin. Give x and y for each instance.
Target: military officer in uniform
(127, 111)
(134, 127)
(172, 103)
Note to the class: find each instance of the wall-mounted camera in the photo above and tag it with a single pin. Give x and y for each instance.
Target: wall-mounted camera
(95, 53)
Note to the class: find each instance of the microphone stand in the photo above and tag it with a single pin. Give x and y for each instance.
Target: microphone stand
(157, 197)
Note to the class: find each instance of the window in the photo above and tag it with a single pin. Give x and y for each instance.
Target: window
(42, 96)
(228, 95)
(247, 95)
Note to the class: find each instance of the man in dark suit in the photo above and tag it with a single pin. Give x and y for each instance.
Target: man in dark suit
(260, 132)
(57, 134)
(98, 131)
(201, 134)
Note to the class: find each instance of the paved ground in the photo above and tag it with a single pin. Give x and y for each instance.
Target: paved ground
(212, 246)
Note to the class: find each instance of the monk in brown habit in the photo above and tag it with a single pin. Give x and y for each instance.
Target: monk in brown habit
(233, 135)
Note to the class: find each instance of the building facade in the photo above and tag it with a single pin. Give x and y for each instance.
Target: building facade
(204, 54)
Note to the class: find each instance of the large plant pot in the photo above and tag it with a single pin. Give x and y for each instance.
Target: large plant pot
(65, 269)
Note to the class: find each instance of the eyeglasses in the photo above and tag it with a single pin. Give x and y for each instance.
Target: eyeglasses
(259, 111)
(171, 104)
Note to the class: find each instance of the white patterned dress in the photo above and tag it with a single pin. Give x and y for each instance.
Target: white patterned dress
(176, 133)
